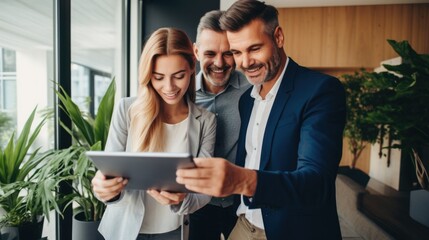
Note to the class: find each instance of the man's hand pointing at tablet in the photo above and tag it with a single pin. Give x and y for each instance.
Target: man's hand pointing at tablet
(218, 177)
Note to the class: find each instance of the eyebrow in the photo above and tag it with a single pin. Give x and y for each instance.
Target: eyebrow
(180, 71)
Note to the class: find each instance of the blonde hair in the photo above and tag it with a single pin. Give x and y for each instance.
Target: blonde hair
(146, 127)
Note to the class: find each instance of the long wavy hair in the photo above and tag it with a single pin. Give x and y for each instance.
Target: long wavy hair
(146, 127)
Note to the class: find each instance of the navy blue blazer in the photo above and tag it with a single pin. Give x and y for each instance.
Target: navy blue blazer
(301, 151)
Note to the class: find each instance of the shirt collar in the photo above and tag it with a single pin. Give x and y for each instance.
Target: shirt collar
(273, 92)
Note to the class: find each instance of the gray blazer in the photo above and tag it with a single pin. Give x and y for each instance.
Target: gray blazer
(123, 218)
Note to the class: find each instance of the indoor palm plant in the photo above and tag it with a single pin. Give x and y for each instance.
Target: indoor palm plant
(23, 194)
(72, 167)
(75, 168)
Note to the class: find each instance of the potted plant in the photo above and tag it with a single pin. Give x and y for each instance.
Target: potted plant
(23, 195)
(75, 169)
(403, 114)
(358, 130)
(88, 134)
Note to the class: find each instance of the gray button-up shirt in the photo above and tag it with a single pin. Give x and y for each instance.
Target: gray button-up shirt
(225, 106)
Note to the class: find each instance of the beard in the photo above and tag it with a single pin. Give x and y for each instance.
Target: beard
(272, 68)
(215, 81)
(273, 65)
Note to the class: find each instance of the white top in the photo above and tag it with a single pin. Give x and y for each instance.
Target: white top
(123, 218)
(159, 218)
(254, 139)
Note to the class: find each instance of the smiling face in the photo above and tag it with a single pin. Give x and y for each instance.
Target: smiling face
(170, 78)
(216, 61)
(256, 53)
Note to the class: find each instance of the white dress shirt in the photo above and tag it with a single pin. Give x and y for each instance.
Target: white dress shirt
(254, 140)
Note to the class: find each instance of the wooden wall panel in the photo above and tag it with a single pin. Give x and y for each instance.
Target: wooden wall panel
(352, 36)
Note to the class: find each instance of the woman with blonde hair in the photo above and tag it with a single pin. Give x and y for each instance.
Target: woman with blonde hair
(162, 118)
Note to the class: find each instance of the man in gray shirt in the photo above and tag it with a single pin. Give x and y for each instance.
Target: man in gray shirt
(219, 88)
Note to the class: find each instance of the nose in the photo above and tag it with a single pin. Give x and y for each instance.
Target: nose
(246, 60)
(219, 61)
(169, 84)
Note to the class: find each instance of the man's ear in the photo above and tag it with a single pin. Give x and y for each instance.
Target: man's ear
(196, 51)
(279, 37)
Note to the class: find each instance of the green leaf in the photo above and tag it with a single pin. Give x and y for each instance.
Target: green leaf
(104, 115)
(15, 152)
(74, 113)
(401, 48)
(402, 69)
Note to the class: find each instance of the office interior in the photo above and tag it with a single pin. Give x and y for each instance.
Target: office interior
(82, 45)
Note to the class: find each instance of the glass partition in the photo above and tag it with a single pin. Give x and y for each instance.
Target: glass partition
(96, 49)
(26, 66)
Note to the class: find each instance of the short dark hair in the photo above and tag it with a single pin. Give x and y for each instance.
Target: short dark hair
(242, 12)
(209, 21)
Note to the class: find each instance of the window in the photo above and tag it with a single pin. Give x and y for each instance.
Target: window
(8, 81)
(26, 65)
(7, 94)
(88, 87)
(97, 49)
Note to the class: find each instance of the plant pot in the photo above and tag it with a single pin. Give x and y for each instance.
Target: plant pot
(9, 233)
(355, 174)
(419, 207)
(28, 231)
(85, 230)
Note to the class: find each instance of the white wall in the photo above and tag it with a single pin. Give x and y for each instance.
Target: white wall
(32, 89)
(379, 170)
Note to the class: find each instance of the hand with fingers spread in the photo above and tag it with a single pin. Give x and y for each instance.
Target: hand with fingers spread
(167, 198)
(218, 177)
(106, 189)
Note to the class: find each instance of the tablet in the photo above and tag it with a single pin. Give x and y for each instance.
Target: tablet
(149, 170)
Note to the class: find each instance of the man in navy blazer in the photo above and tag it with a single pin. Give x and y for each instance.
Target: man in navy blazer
(290, 141)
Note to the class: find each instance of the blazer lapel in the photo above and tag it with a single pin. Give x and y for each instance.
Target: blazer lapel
(194, 129)
(245, 112)
(279, 104)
